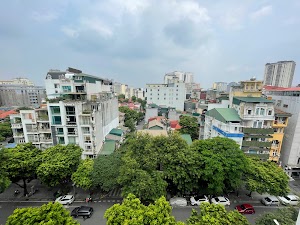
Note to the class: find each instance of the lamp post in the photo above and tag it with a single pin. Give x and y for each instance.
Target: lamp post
(74, 188)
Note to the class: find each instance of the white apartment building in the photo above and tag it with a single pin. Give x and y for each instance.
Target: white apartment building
(279, 74)
(288, 100)
(76, 113)
(220, 86)
(169, 95)
(223, 122)
(119, 88)
(186, 77)
(17, 81)
(139, 93)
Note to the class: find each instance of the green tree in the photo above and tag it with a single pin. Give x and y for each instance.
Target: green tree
(5, 131)
(21, 163)
(189, 125)
(121, 97)
(130, 124)
(133, 98)
(83, 175)
(4, 180)
(51, 213)
(143, 103)
(220, 163)
(266, 176)
(106, 170)
(58, 164)
(216, 214)
(132, 212)
(286, 216)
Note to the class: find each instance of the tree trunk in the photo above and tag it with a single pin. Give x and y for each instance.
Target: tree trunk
(25, 187)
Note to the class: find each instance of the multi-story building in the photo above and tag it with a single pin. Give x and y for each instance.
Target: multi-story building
(279, 74)
(288, 100)
(18, 95)
(220, 86)
(17, 81)
(119, 88)
(223, 122)
(185, 77)
(169, 95)
(79, 111)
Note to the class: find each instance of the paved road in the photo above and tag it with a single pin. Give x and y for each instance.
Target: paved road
(180, 213)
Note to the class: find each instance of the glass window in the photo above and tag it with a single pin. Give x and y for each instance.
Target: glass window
(257, 111)
(72, 140)
(262, 111)
(55, 109)
(56, 120)
(60, 130)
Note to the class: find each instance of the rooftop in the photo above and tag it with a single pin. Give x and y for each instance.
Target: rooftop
(238, 100)
(117, 132)
(108, 147)
(281, 113)
(274, 88)
(187, 138)
(224, 114)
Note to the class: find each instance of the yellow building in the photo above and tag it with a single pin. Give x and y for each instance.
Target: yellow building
(280, 122)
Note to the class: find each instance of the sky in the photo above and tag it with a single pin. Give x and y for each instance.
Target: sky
(137, 41)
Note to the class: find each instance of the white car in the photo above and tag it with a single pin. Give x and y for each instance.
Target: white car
(178, 201)
(220, 200)
(270, 200)
(197, 200)
(289, 199)
(65, 199)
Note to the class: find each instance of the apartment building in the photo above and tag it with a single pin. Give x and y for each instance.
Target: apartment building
(169, 95)
(76, 113)
(279, 74)
(288, 101)
(223, 122)
(119, 88)
(220, 86)
(18, 95)
(17, 81)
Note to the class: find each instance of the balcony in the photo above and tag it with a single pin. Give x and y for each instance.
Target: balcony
(32, 130)
(42, 118)
(279, 124)
(16, 125)
(257, 144)
(258, 130)
(46, 140)
(44, 130)
(257, 117)
(72, 133)
(18, 135)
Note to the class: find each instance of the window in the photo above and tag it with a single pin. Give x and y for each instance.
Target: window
(61, 140)
(60, 130)
(270, 112)
(55, 85)
(55, 109)
(72, 140)
(66, 88)
(257, 111)
(56, 120)
(285, 106)
(249, 111)
(257, 124)
(262, 112)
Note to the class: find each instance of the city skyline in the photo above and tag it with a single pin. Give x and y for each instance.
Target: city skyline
(137, 42)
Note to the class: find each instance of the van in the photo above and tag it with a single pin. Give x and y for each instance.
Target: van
(270, 200)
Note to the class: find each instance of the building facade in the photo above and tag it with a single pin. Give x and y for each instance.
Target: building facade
(17, 81)
(220, 86)
(279, 74)
(185, 77)
(19, 95)
(79, 111)
(169, 95)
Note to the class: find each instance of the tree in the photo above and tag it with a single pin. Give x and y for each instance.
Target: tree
(130, 124)
(58, 164)
(4, 180)
(83, 175)
(286, 216)
(189, 125)
(266, 176)
(216, 214)
(132, 212)
(220, 163)
(121, 97)
(51, 213)
(106, 170)
(5, 131)
(21, 163)
(133, 98)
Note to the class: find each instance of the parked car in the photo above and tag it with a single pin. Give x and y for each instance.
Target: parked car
(270, 200)
(220, 200)
(289, 199)
(65, 199)
(84, 211)
(197, 200)
(178, 201)
(245, 209)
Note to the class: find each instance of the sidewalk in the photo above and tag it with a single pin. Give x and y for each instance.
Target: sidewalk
(46, 194)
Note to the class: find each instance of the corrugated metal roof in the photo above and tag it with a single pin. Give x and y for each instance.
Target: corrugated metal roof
(187, 138)
(224, 114)
(237, 100)
(108, 148)
(117, 132)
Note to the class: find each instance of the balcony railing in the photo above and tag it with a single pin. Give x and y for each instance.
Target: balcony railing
(32, 130)
(18, 135)
(257, 144)
(16, 125)
(47, 140)
(248, 130)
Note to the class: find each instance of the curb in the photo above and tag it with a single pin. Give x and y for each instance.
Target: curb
(44, 201)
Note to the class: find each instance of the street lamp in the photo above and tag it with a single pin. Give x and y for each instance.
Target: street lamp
(74, 188)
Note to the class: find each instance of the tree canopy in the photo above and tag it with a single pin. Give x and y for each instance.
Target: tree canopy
(21, 163)
(286, 216)
(4, 180)
(216, 214)
(51, 213)
(189, 125)
(132, 212)
(58, 164)
(5, 131)
(266, 176)
(106, 171)
(82, 177)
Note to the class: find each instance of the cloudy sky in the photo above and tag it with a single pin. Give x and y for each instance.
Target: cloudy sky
(138, 41)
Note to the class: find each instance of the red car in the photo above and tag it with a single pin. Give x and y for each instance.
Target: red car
(245, 209)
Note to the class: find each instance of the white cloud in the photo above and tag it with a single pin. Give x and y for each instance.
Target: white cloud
(264, 11)
(44, 16)
(233, 19)
(95, 24)
(70, 32)
(132, 6)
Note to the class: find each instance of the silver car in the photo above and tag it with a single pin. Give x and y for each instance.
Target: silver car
(65, 199)
(270, 200)
(178, 201)
(289, 199)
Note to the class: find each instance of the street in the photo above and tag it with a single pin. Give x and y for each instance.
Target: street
(180, 213)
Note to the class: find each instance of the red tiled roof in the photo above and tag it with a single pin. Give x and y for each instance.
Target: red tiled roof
(177, 127)
(7, 113)
(274, 88)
